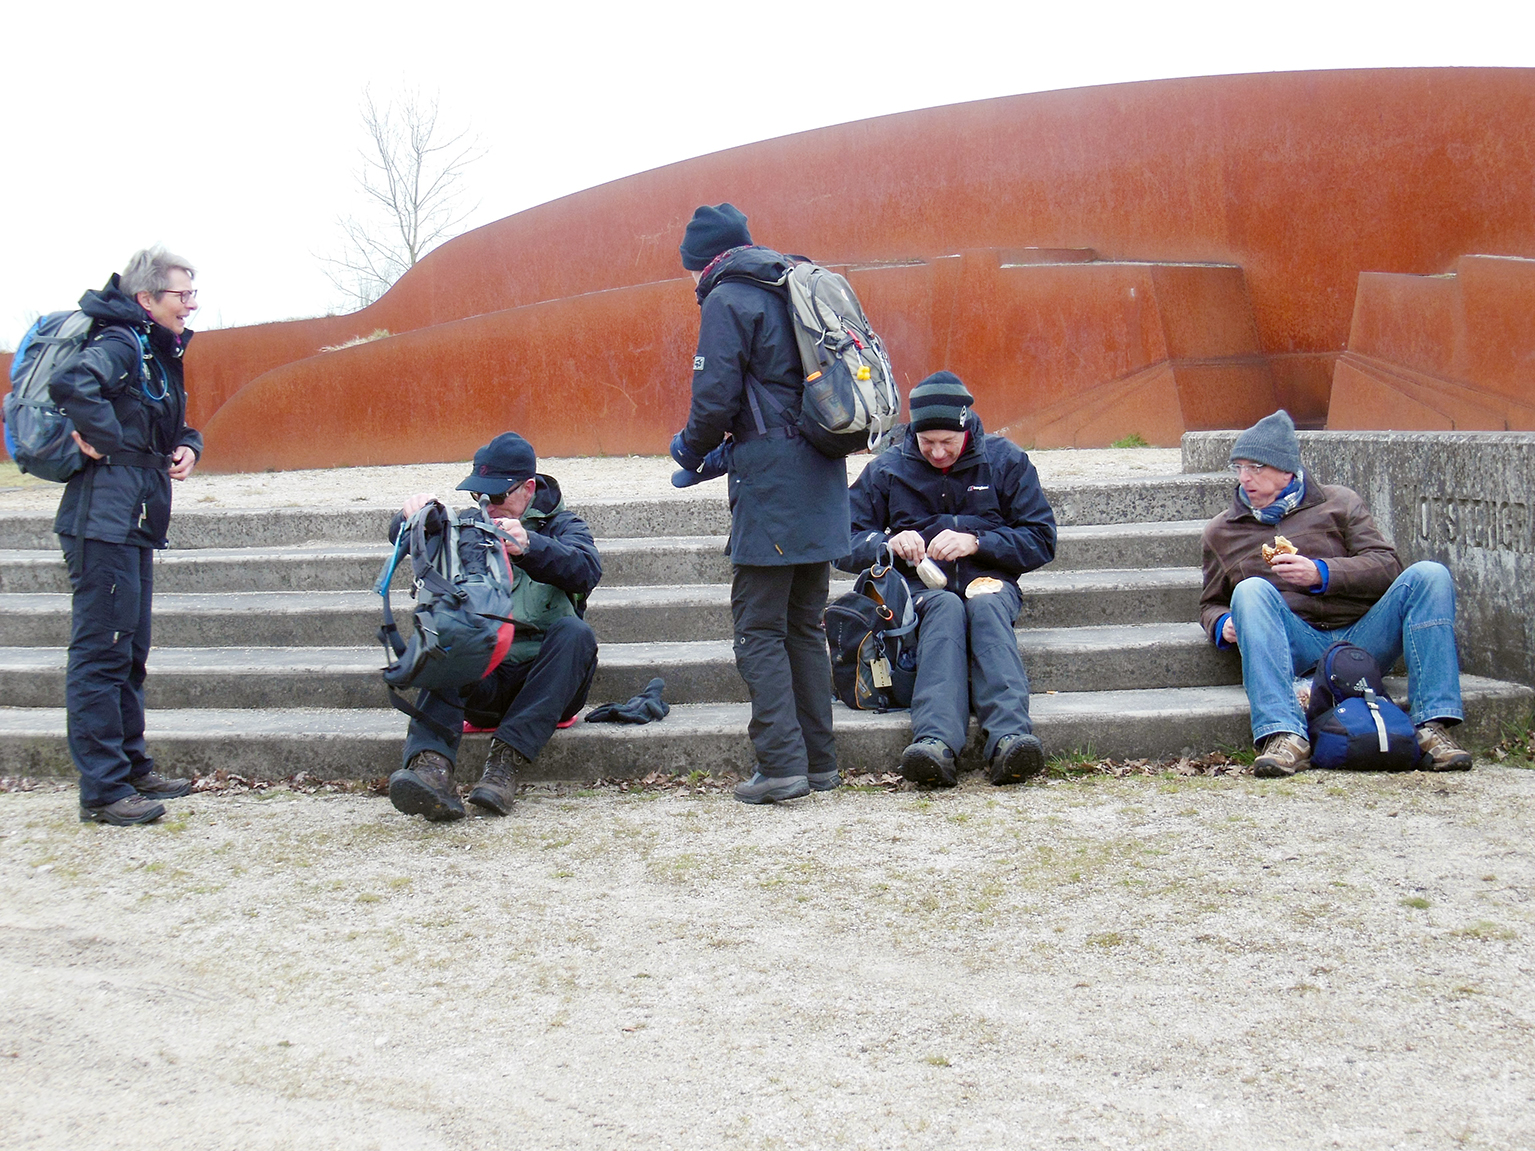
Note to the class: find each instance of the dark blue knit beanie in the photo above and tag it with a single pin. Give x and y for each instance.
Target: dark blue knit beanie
(710, 232)
(940, 403)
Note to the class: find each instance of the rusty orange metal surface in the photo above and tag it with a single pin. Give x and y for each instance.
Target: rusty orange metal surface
(1441, 353)
(1242, 210)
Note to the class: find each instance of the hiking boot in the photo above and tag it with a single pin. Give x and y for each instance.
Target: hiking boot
(1284, 753)
(825, 780)
(124, 812)
(1440, 752)
(424, 786)
(156, 786)
(1017, 758)
(772, 788)
(498, 785)
(931, 761)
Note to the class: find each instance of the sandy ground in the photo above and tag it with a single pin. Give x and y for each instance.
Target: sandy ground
(647, 477)
(1330, 961)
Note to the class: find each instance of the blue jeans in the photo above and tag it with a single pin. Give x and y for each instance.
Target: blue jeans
(1415, 617)
(967, 655)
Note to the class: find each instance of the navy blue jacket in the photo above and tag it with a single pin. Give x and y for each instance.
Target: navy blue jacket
(788, 502)
(991, 492)
(116, 409)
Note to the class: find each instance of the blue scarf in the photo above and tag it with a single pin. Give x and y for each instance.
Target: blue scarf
(1284, 503)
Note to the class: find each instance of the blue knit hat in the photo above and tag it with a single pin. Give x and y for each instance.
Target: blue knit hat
(710, 232)
(1270, 441)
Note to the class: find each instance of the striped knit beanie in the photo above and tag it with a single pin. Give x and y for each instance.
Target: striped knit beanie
(941, 403)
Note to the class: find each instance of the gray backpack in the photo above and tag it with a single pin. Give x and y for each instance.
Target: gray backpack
(849, 384)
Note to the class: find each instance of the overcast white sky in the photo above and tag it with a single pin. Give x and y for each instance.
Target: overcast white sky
(230, 132)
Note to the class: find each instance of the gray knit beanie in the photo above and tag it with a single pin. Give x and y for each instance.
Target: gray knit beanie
(940, 403)
(1270, 441)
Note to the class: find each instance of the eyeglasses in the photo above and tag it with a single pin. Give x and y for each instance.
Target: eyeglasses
(1246, 469)
(188, 296)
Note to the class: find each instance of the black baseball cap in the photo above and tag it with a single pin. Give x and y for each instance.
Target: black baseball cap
(501, 465)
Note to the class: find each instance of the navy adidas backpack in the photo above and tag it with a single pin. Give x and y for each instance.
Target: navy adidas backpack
(1352, 722)
(872, 635)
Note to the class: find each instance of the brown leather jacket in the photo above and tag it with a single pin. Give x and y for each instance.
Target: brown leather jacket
(1331, 524)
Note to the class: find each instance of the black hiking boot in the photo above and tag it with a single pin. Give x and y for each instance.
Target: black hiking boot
(498, 785)
(156, 786)
(772, 788)
(124, 812)
(424, 786)
(1017, 758)
(931, 761)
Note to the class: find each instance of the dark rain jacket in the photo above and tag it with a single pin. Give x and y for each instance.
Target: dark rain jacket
(1330, 524)
(788, 502)
(125, 393)
(991, 492)
(554, 576)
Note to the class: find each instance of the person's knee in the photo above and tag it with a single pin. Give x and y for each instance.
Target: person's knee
(1254, 592)
(575, 634)
(1431, 577)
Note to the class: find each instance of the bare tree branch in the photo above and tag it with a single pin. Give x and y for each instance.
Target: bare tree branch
(411, 184)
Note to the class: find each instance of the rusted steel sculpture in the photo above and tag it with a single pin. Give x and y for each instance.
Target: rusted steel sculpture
(1139, 258)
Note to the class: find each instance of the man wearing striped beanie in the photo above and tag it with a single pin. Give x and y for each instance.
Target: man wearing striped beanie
(970, 503)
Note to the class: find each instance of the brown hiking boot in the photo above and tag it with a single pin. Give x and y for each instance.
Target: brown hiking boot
(424, 786)
(125, 812)
(1440, 752)
(498, 785)
(1284, 753)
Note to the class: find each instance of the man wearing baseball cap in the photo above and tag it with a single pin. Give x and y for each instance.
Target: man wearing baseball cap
(972, 504)
(546, 675)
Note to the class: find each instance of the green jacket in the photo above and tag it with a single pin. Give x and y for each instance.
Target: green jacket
(556, 574)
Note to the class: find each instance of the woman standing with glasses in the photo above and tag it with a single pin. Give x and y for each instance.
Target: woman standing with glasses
(125, 393)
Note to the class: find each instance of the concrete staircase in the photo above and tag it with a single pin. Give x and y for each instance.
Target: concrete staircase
(264, 662)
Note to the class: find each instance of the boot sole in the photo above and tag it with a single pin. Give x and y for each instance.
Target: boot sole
(1021, 762)
(101, 815)
(919, 768)
(1277, 771)
(413, 797)
(489, 802)
(795, 788)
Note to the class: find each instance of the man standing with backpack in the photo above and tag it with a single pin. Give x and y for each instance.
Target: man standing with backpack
(124, 393)
(967, 507)
(1291, 568)
(548, 670)
(788, 502)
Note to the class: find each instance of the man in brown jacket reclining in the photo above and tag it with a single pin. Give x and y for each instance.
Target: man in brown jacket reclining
(1337, 579)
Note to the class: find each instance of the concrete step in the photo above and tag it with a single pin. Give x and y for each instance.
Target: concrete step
(1110, 500)
(627, 561)
(366, 744)
(700, 671)
(618, 613)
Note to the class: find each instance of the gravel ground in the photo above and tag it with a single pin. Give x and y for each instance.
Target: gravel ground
(647, 477)
(1165, 962)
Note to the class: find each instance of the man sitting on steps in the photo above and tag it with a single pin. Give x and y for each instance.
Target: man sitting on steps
(1342, 581)
(972, 504)
(546, 675)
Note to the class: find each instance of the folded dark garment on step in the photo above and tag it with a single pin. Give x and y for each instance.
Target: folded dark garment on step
(643, 708)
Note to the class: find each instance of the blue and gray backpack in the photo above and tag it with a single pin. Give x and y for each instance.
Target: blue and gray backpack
(1352, 722)
(38, 435)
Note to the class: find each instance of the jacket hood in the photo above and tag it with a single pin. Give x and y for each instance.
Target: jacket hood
(112, 305)
(548, 500)
(967, 458)
(750, 263)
